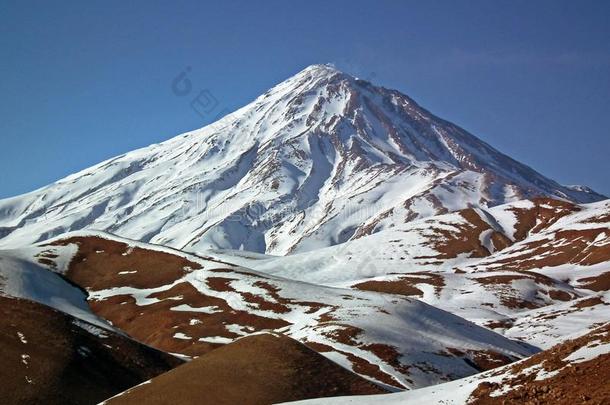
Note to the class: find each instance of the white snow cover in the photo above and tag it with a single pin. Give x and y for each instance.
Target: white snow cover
(408, 250)
(21, 276)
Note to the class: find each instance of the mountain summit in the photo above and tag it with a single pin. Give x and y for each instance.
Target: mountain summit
(317, 160)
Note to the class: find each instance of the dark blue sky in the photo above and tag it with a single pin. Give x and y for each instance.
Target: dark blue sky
(85, 81)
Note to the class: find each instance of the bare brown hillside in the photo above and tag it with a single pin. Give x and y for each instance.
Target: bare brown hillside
(49, 357)
(256, 370)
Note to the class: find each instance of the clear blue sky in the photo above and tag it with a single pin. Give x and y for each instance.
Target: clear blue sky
(84, 81)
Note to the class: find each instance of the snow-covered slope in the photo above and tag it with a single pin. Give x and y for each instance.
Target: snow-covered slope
(319, 159)
(574, 372)
(188, 304)
(533, 269)
(22, 275)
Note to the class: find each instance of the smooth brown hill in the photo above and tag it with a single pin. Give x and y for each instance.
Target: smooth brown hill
(49, 357)
(256, 370)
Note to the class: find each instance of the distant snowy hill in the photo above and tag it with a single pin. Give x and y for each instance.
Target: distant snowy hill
(319, 159)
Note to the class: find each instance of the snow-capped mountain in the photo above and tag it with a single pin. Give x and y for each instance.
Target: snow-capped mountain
(319, 159)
